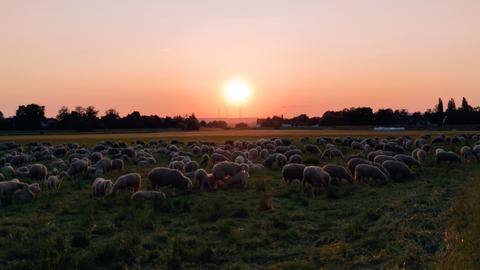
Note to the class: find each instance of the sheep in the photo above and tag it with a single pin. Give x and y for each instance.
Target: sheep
(176, 165)
(398, 170)
(419, 154)
(332, 152)
(450, 157)
(2, 177)
(316, 177)
(35, 188)
(203, 179)
(292, 171)
(147, 195)
(252, 154)
(104, 164)
(281, 160)
(77, 167)
(22, 172)
(118, 164)
(7, 188)
(295, 159)
(381, 158)
(408, 160)
(312, 149)
(23, 196)
(190, 166)
(162, 177)
(216, 157)
(364, 171)
(351, 164)
(337, 173)
(130, 180)
(96, 156)
(101, 187)
(239, 180)
(467, 153)
(224, 169)
(476, 150)
(8, 171)
(204, 160)
(269, 160)
(256, 167)
(239, 159)
(54, 182)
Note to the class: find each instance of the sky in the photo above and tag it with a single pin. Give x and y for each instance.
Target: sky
(174, 57)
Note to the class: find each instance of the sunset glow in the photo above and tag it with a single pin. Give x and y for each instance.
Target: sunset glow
(237, 91)
(173, 58)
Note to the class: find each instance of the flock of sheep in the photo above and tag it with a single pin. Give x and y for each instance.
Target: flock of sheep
(24, 172)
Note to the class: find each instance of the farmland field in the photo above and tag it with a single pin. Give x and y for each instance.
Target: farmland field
(422, 223)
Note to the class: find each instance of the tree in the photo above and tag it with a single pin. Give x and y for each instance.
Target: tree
(439, 106)
(31, 116)
(384, 117)
(465, 106)
(111, 118)
(451, 105)
(192, 123)
(63, 113)
(1, 116)
(241, 126)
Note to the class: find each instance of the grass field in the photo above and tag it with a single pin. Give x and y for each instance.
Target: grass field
(426, 223)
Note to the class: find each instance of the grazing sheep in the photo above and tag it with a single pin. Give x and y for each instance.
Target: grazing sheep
(281, 160)
(225, 168)
(7, 188)
(23, 196)
(8, 171)
(2, 177)
(239, 180)
(296, 158)
(118, 164)
(35, 188)
(367, 171)
(101, 187)
(147, 195)
(316, 177)
(162, 177)
(476, 150)
(419, 155)
(104, 164)
(22, 172)
(203, 179)
(96, 156)
(312, 149)
(467, 154)
(256, 167)
(269, 160)
(450, 157)
(398, 170)
(190, 166)
(77, 167)
(292, 171)
(216, 157)
(178, 165)
(253, 154)
(240, 160)
(54, 182)
(408, 160)
(332, 152)
(130, 180)
(382, 158)
(337, 173)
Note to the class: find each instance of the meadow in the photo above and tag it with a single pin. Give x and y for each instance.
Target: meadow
(424, 223)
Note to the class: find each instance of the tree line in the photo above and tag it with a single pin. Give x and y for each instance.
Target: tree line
(452, 115)
(32, 117)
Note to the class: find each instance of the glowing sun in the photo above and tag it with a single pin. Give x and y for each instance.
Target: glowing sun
(237, 91)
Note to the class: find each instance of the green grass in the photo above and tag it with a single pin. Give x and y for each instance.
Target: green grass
(411, 225)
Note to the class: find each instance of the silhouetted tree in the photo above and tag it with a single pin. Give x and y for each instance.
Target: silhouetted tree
(31, 116)
(465, 106)
(192, 123)
(241, 126)
(451, 105)
(111, 119)
(439, 106)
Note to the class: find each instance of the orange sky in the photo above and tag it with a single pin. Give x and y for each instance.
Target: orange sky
(172, 57)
